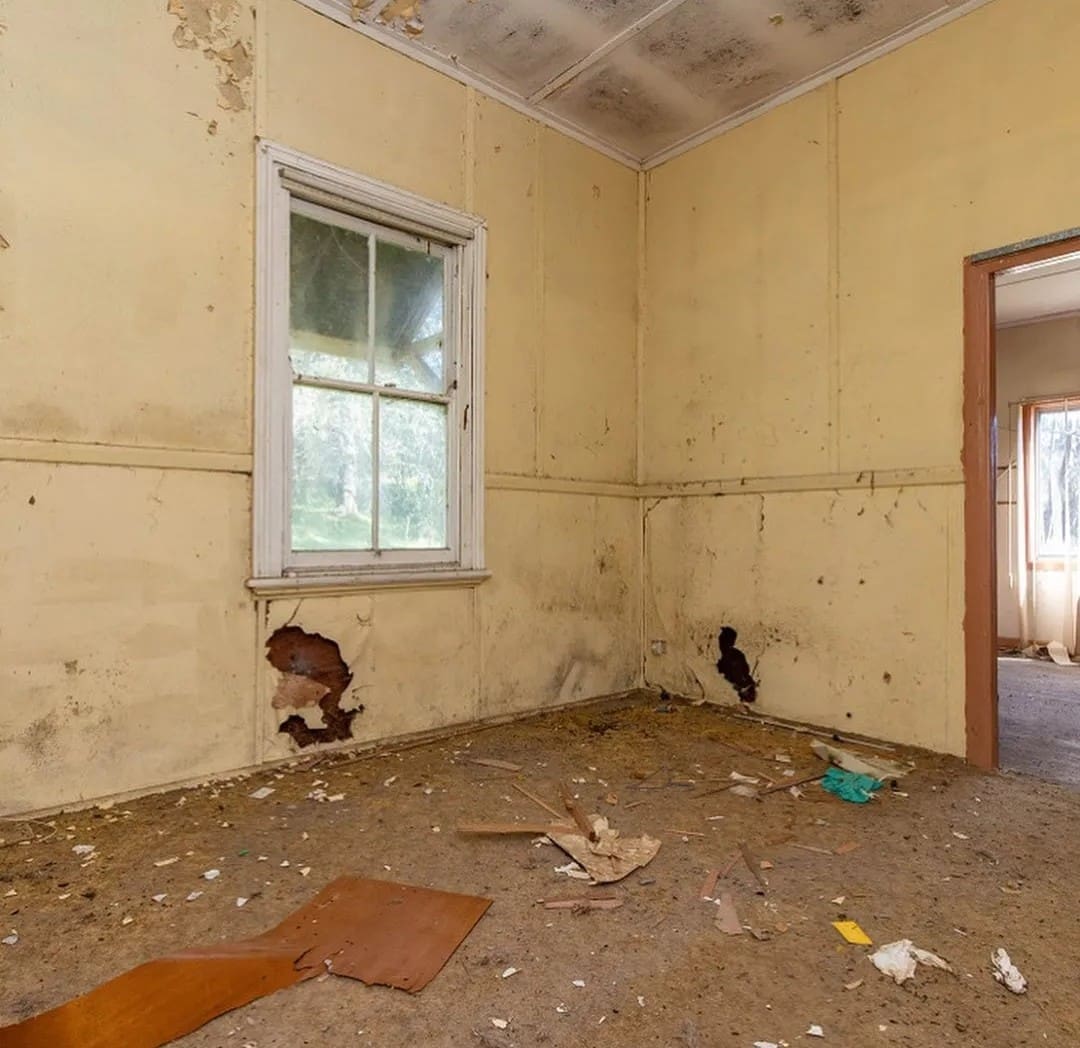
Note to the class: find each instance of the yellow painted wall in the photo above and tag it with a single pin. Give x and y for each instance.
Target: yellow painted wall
(799, 407)
(131, 653)
(804, 345)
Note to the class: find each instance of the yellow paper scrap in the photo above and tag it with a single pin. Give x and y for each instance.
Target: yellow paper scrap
(853, 933)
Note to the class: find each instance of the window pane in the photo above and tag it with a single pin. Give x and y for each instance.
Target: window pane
(328, 300)
(412, 474)
(408, 318)
(331, 471)
(1057, 481)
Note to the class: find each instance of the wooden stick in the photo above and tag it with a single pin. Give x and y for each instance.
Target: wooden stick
(718, 789)
(513, 827)
(491, 762)
(685, 833)
(609, 902)
(708, 889)
(811, 848)
(789, 784)
(752, 866)
(536, 800)
(579, 816)
(730, 866)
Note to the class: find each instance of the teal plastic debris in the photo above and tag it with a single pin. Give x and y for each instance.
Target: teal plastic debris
(849, 785)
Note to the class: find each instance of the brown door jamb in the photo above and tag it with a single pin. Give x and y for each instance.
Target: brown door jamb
(979, 466)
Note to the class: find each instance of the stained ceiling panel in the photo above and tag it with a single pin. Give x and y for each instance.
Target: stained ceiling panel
(522, 44)
(641, 79)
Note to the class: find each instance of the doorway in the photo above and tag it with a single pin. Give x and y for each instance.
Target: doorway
(1021, 462)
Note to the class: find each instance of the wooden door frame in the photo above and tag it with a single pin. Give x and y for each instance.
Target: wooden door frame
(979, 459)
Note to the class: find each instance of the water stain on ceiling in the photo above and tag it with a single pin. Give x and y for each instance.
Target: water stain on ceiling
(639, 77)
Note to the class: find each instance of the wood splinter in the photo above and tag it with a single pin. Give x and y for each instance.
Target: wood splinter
(576, 812)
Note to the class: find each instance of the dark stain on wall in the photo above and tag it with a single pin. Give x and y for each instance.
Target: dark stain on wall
(297, 653)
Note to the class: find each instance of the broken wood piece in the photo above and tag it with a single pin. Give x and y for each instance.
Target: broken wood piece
(727, 918)
(708, 889)
(576, 812)
(536, 800)
(788, 783)
(532, 828)
(492, 762)
(377, 932)
(752, 866)
(811, 848)
(876, 768)
(685, 833)
(730, 866)
(610, 857)
(607, 902)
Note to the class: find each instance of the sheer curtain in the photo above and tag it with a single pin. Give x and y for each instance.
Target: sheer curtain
(1044, 521)
(1070, 523)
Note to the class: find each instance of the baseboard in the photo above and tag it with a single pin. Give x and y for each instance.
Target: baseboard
(343, 753)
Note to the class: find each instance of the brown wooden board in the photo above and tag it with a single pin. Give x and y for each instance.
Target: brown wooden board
(379, 932)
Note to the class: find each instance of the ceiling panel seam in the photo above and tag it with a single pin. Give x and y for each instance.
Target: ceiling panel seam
(605, 48)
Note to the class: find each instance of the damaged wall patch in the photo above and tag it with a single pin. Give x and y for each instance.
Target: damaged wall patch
(313, 675)
(209, 26)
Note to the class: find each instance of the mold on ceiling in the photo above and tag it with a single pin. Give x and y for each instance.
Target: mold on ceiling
(643, 79)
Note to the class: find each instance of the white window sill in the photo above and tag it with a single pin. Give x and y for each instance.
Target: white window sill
(332, 585)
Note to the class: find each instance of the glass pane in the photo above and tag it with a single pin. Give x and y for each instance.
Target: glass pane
(408, 319)
(412, 474)
(1057, 481)
(331, 470)
(328, 300)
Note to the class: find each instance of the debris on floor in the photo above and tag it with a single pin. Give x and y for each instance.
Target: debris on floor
(1059, 653)
(899, 959)
(850, 785)
(649, 947)
(609, 857)
(377, 932)
(875, 767)
(1006, 972)
(852, 933)
(727, 919)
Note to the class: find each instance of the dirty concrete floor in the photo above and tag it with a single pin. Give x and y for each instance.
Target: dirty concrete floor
(962, 864)
(1039, 719)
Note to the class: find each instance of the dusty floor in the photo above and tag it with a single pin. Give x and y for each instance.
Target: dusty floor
(657, 971)
(1039, 719)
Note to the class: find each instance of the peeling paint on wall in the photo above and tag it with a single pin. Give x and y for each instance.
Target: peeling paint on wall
(313, 681)
(209, 26)
(405, 13)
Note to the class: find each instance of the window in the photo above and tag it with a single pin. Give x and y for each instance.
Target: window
(368, 452)
(1053, 441)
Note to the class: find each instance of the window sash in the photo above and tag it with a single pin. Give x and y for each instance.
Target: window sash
(283, 175)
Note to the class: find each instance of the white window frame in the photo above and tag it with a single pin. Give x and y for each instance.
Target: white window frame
(355, 201)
